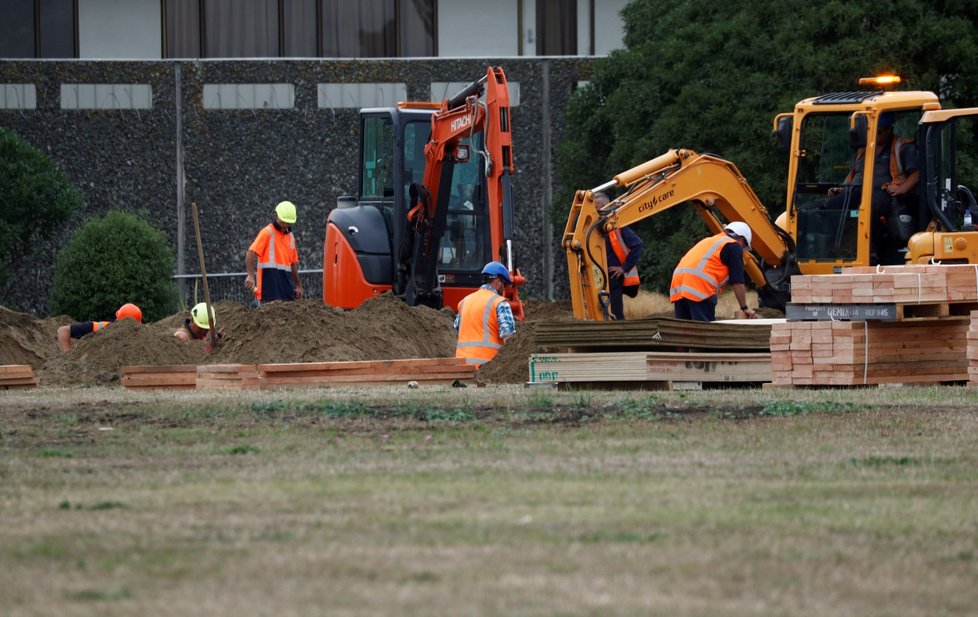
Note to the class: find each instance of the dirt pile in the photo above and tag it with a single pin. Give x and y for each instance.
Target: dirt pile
(384, 328)
(25, 339)
(511, 364)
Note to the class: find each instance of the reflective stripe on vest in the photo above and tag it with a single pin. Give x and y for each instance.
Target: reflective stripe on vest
(272, 264)
(700, 274)
(184, 334)
(896, 165)
(98, 325)
(621, 252)
(478, 330)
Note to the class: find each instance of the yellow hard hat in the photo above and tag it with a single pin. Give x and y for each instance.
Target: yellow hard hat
(286, 211)
(199, 315)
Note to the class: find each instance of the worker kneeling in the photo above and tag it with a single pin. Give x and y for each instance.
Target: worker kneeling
(707, 269)
(485, 319)
(198, 327)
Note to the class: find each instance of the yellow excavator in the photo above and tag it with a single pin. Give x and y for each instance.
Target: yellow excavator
(832, 219)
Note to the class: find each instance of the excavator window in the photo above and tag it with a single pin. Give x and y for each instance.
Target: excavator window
(827, 223)
(464, 245)
(377, 166)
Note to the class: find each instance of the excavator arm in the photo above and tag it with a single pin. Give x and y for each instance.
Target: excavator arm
(712, 184)
(460, 117)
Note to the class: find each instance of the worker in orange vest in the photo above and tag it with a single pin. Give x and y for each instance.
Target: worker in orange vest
(198, 327)
(83, 328)
(485, 319)
(276, 258)
(624, 248)
(707, 269)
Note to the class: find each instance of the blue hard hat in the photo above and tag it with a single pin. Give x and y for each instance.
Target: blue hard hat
(494, 268)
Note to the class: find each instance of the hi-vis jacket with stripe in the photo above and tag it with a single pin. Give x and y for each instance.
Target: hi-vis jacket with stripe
(700, 273)
(276, 253)
(478, 333)
(621, 252)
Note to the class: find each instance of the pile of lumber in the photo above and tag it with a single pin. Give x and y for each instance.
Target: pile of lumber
(651, 334)
(973, 350)
(172, 377)
(17, 376)
(844, 353)
(889, 284)
(228, 377)
(431, 371)
(641, 366)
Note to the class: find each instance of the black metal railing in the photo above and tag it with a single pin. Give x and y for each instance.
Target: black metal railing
(230, 286)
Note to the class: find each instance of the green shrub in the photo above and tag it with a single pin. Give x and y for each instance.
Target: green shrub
(35, 197)
(113, 260)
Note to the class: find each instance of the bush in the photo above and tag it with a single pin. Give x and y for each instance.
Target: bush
(110, 261)
(35, 197)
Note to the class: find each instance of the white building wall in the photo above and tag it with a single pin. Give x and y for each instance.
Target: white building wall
(609, 30)
(120, 29)
(469, 28)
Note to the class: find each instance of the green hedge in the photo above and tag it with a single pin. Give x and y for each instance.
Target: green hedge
(35, 197)
(113, 260)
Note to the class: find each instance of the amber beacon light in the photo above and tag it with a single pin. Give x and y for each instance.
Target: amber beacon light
(882, 81)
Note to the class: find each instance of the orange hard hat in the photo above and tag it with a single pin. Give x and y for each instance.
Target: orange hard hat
(131, 311)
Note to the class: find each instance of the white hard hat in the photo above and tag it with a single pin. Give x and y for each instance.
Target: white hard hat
(741, 229)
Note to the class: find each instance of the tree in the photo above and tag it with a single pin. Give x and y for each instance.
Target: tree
(710, 76)
(35, 197)
(113, 260)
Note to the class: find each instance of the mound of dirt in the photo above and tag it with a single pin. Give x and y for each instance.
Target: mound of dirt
(99, 357)
(25, 339)
(511, 364)
(384, 328)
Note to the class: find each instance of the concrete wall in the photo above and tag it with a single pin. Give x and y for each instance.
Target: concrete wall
(237, 164)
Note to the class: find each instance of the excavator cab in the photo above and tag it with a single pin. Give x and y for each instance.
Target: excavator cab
(434, 202)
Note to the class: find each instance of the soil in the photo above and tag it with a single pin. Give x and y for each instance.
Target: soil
(384, 328)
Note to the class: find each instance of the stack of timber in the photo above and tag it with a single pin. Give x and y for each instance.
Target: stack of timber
(172, 377)
(618, 368)
(889, 293)
(17, 376)
(846, 353)
(430, 371)
(888, 324)
(652, 334)
(973, 350)
(228, 377)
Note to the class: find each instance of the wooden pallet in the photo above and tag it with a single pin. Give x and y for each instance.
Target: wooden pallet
(16, 376)
(618, 368)
(430, 371)
(863, 353)
(171, 377)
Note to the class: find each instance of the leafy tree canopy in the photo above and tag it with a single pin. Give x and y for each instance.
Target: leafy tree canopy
(710, 76)
(35, 197)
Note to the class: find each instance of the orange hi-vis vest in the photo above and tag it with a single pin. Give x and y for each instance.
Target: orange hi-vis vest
(184, 333)
(700, 273)
(98, 325)
(621, 252)
(897, 175)
(279, 254)
(478, 329)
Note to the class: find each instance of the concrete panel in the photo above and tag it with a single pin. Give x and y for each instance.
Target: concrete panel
(120, 29)
(18, 96)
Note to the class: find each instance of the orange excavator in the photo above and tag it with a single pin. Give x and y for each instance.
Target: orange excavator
(434, 205)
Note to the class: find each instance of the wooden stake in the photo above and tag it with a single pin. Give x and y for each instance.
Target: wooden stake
(203, 276)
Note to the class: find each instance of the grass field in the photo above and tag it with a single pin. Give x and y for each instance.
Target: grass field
(489, 501)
